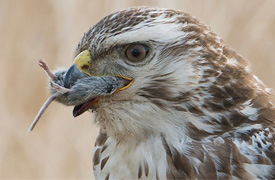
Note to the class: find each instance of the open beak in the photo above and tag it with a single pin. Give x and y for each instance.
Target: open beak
(80, 69)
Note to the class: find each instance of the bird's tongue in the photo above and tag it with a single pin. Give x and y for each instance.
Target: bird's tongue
(79, 109)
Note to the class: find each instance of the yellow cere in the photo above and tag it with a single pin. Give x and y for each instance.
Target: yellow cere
(83, 62)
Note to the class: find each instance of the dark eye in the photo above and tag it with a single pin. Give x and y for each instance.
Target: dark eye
(136, 52)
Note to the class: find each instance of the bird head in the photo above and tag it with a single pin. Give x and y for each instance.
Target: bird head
(180, 76)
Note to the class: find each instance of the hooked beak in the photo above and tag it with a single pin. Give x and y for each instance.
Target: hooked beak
(81, 69)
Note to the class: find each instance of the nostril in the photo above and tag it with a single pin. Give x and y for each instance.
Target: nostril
(85, 67)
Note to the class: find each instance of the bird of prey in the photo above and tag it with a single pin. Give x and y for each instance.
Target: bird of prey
(171, 98)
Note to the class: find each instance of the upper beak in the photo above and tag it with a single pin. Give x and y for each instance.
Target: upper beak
(80, 69)
(72, 75)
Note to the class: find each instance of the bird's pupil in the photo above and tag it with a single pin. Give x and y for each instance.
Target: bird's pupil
(136, 52)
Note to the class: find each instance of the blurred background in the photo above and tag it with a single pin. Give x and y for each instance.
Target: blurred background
(61, 147)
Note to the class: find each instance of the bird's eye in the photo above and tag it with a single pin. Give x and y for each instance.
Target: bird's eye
(136, 52)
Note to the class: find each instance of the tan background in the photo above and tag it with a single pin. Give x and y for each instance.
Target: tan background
(61, 146)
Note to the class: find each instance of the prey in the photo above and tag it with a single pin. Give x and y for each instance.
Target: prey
(74, 88)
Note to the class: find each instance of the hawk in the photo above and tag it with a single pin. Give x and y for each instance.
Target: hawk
(171, 98)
